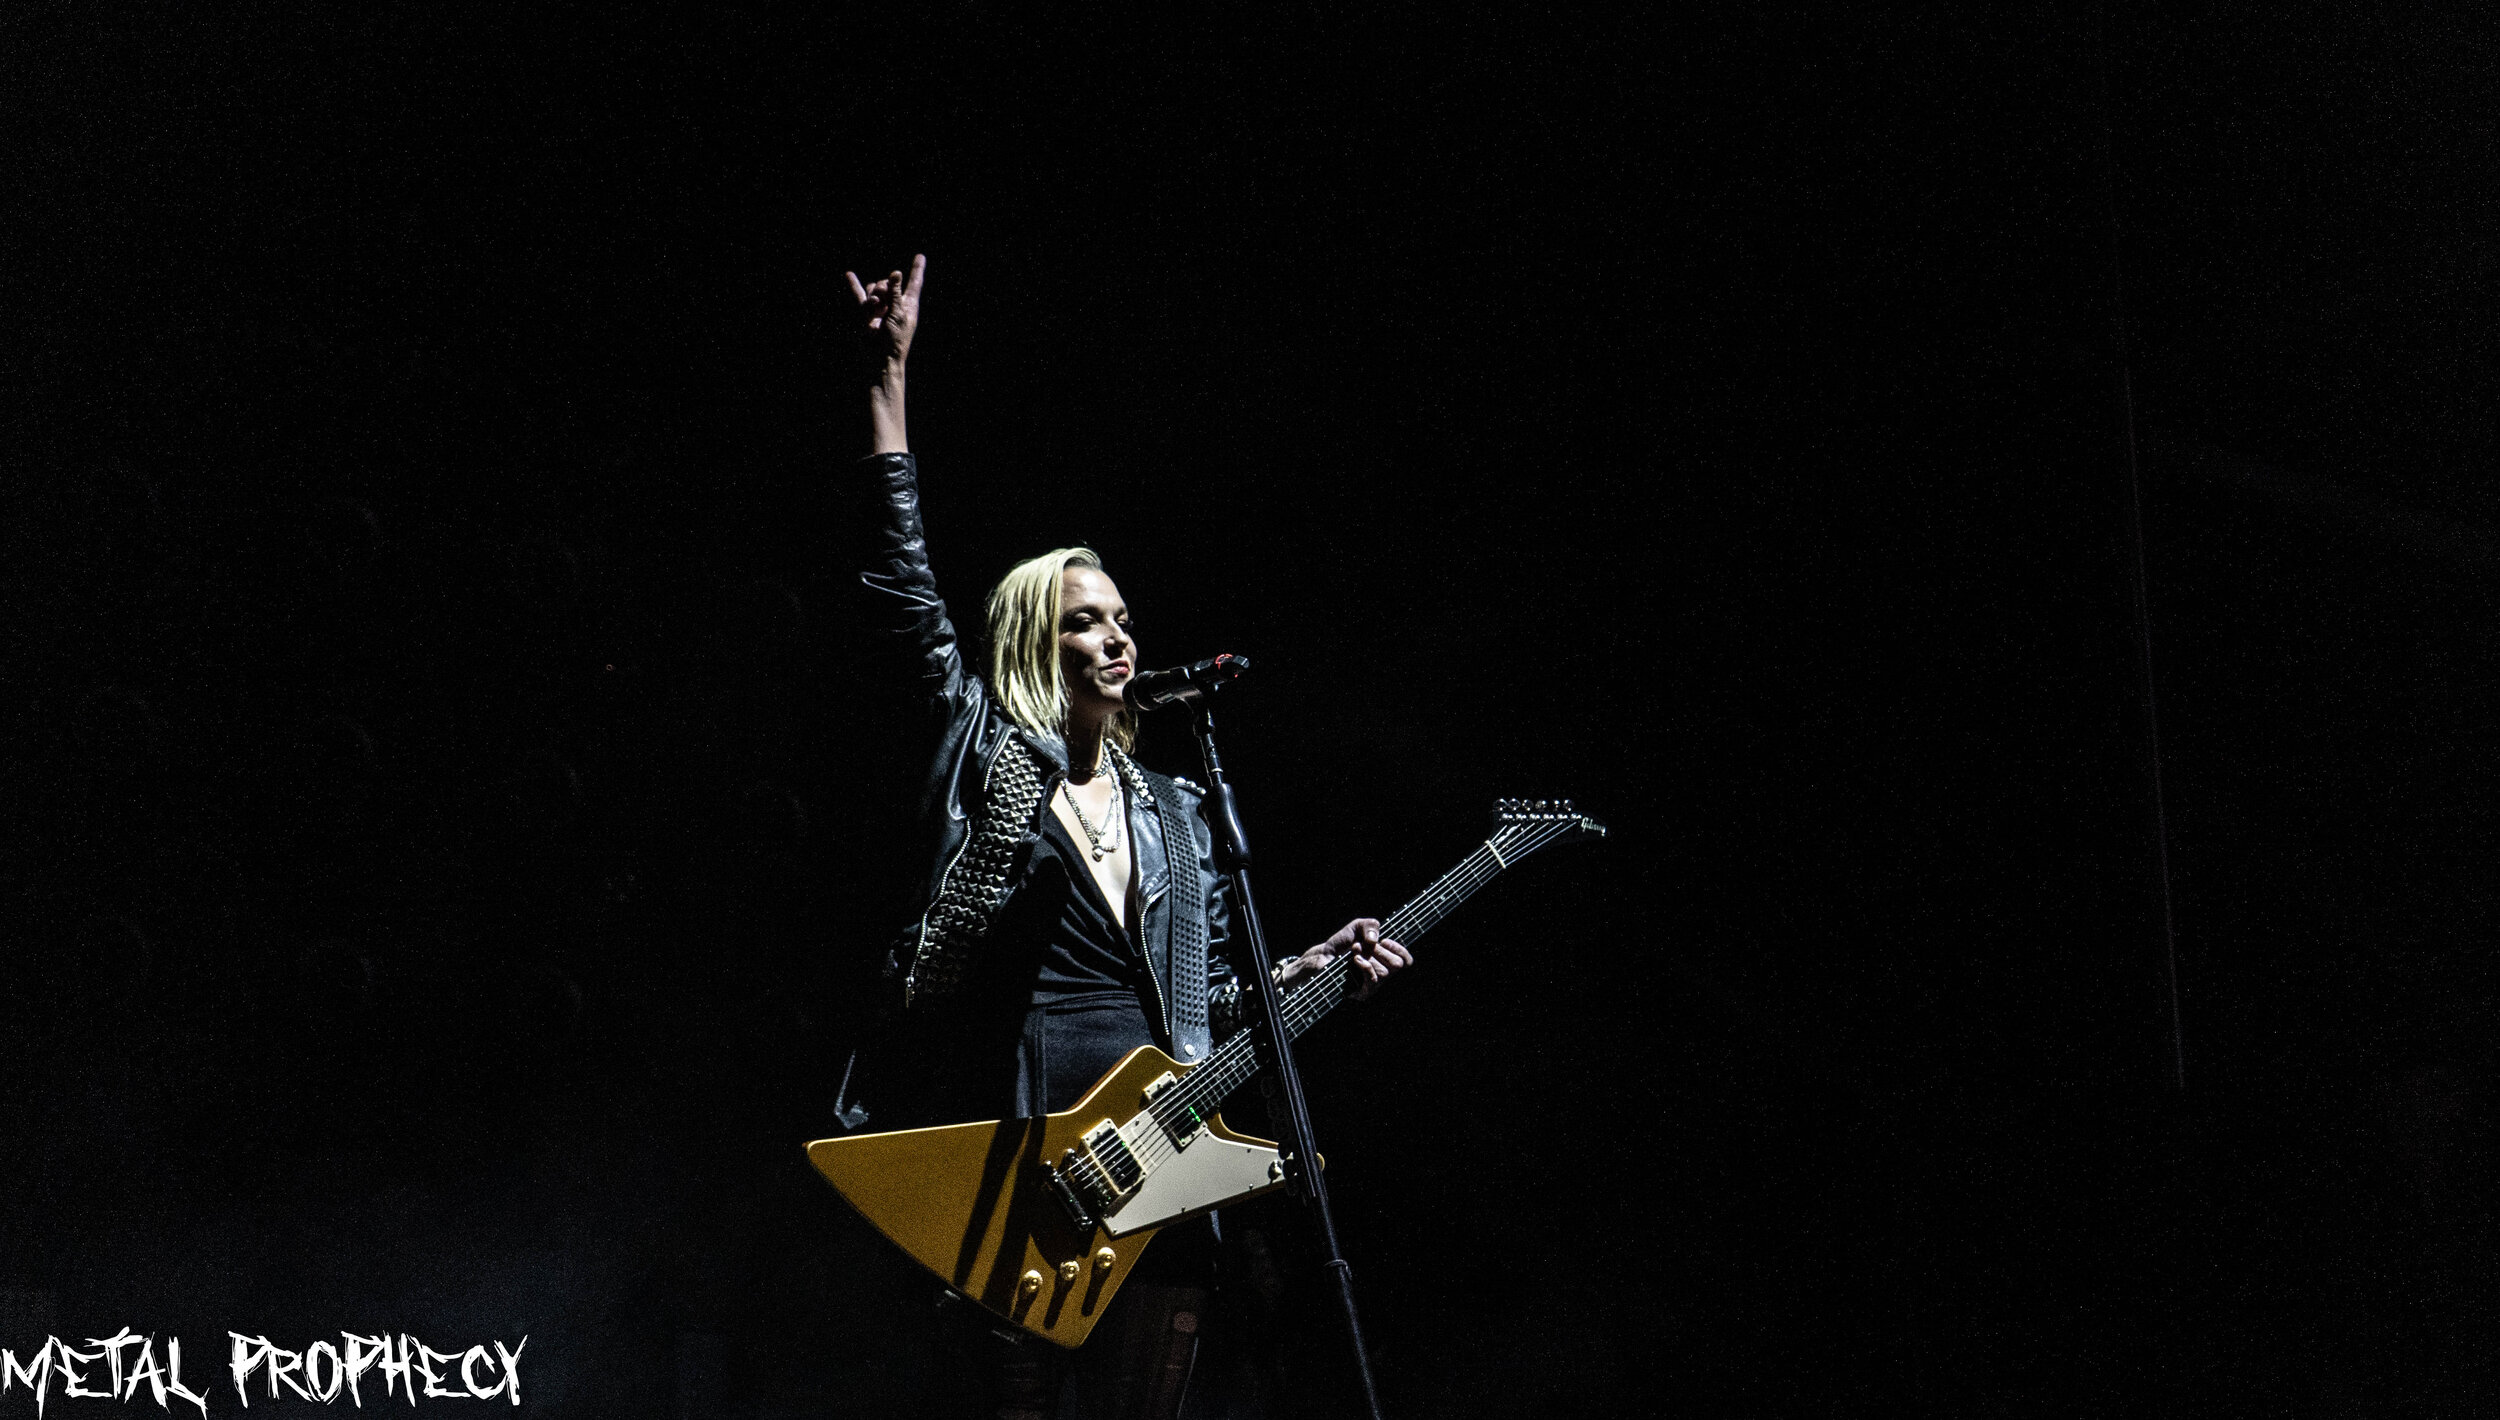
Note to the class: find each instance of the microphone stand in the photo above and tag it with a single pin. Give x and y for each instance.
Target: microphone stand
(1232, 857)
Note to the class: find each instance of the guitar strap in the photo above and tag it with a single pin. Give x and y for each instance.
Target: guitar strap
(1188, 919)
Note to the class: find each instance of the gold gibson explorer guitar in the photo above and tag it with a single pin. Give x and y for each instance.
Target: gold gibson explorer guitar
(1040, 1220)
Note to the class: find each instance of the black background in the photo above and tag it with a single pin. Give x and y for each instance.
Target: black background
(442, 823)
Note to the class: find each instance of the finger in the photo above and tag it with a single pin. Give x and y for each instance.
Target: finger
(1396, 954)
(859, 293)
(911, 288)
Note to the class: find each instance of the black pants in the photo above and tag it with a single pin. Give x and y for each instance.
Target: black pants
(1071, 1043)
(1137, 1363)
(1135, 1366)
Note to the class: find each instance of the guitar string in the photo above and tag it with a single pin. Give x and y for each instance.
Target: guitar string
(1307, 1006)
(1315, 998)
(1223, 1072)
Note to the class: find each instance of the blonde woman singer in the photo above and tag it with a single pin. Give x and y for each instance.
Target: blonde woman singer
(1072, 910)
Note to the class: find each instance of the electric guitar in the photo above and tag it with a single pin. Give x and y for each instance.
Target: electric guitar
(1040, 1220)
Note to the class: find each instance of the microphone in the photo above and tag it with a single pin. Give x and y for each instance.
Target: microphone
(1183, 685)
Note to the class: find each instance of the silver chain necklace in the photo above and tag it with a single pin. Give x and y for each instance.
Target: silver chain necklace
(1109, 829)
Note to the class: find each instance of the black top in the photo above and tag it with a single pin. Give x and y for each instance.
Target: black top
(1086, 950)
(968, 973)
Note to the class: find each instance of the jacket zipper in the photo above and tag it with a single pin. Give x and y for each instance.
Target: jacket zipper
(1146, 950)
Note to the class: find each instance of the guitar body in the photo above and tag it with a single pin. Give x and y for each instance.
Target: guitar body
(1040, 1220)
(974, 1203)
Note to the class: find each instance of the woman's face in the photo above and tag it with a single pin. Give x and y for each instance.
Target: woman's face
(1096, 654)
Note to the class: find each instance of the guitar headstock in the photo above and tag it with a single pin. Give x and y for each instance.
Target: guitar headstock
(1521, 826)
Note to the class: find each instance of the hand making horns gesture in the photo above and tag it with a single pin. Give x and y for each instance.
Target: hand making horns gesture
(892, 305)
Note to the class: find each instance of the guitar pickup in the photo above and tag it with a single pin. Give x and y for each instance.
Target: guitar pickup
(1111, 1154)
(1181, 1122)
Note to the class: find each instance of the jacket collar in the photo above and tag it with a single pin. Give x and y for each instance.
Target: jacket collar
(1050, 749)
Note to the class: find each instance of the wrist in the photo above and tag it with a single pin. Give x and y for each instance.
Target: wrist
(885, 417)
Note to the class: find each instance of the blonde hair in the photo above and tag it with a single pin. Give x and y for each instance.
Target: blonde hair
(1024, 646)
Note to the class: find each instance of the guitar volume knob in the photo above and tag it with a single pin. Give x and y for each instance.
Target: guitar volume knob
(1067, 1271)
(1103, 1260)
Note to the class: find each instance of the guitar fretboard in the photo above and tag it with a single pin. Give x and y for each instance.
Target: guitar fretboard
(1235, 1063)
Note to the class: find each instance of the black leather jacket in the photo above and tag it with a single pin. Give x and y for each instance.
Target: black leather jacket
(908, 617)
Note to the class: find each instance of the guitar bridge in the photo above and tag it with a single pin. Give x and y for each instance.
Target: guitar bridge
(1069, 1198)
(1092, 1178)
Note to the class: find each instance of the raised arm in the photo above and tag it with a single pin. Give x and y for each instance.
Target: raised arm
(906, 618)
(891, 308)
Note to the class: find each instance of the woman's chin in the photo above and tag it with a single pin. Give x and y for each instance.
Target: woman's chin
(1102, 699)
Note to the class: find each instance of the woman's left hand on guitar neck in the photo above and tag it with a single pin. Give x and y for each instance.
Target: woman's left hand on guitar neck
(1374, 956)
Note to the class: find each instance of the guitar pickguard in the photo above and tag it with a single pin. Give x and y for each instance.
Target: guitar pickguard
(982, 1208)
(1213, 1171)
(1040, 1220)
